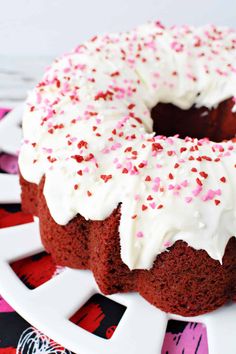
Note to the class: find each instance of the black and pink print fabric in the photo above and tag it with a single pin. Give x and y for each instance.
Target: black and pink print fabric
(99, 315)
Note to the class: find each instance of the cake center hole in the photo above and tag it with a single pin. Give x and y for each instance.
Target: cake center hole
(217, 124)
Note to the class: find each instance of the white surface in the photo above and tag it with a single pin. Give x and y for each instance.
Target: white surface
(55, 26)
(49, 306)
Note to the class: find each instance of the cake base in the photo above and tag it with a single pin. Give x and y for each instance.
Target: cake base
(182, 280)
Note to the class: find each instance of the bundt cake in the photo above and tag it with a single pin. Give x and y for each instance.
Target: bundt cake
(129, 161)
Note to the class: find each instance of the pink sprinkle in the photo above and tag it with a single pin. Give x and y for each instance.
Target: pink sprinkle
(184, 183)
(155, 188)
(188, 199)
(106, 150)
(115, 146)
(170, 141)
(171, 186)
(38, 98)
(137, 197)
(153, 205)
(74, 139)
(167, 244)
(156, 75)
(49, 151)
(129, 166)
(197, 190)
(157, 180)
(178, 47)
(209, 195)
(139, 234)
(218, 191)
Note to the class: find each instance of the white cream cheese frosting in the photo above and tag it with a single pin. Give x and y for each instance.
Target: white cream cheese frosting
(87, 127)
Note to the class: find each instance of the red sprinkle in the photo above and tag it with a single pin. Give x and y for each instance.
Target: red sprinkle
(223, 179)
(78, 158)
(106, 178)
(131, 106)
(199, 182)
(82, 143)
(203, 174)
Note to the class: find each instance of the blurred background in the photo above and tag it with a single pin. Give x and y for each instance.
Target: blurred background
(33, 32)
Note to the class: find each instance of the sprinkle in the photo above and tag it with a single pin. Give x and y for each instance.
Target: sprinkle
(184, 183)
(131, 106)
(217, 201)
(167, 244)
(197, 191)
(199, 182)
(115, 73)
(144, 207)
(153, 205)
(78, 158)
(139, 234)
(223, 179)
(82, 143)
(104, 95)
(106, 178)
(203, 174)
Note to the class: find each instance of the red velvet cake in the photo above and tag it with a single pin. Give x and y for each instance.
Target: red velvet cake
(144, 211)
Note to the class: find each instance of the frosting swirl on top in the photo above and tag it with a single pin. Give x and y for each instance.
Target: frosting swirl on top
(87, 127)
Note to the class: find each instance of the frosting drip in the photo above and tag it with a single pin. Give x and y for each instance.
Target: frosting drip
(87, 127)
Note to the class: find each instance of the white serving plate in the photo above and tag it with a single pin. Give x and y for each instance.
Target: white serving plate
(49, 306)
